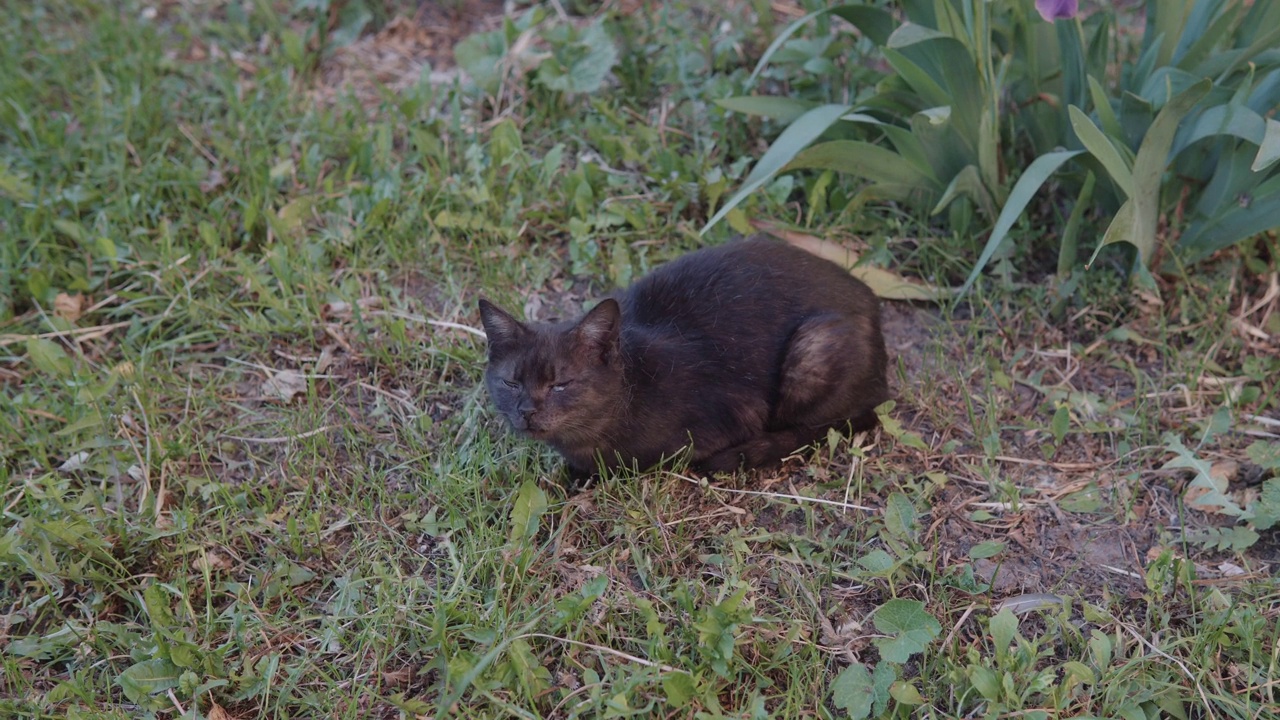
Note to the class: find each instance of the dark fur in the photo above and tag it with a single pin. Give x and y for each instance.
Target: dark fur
(747, 351)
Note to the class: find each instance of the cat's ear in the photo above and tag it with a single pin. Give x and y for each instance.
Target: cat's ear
(499, 326)
(597, 332)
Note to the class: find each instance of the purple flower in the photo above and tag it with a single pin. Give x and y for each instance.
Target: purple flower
(1052, 10)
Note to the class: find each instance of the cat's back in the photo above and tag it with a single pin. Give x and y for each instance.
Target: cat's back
(751, 282)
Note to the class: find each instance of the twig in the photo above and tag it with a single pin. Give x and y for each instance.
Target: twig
(785, 496)
(13, 339)
(601, 648)
(458, 326)
(282, 439)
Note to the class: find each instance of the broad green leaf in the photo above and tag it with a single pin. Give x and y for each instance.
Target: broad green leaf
(48, 357)
(480, 56)
(986, 681)
(1101, 147)
(1061, 423)
(15, 187)
(900, 516)
(582, 65)
(413, 707)
(909, 626)
(147, 678)
(854, 691)
(1269, 150)
(989, 548)
(352, 17)
(530, 504)
(1032, 178)
(1078, 670)
(679, 688)
(530, 673)
(1265, 454)
(906, 693)
(877, 562)
(1004, 628)
(72, 229)
(882, 678)
(784, 110)
(156, 601)
(795, 138)
(505, 143)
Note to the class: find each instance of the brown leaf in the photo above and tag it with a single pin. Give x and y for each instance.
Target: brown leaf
(212, 181)
(216, 712)
(68, 307)
(884, 283)
(284, 385)
(211, 560)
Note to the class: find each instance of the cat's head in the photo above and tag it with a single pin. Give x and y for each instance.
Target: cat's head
(557, 382)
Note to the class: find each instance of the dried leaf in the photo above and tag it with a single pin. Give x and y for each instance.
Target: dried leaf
(75, 462)
(68, 307)
(284, 385)
(884, 283)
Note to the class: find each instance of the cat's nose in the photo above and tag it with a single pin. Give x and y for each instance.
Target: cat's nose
(522, 418)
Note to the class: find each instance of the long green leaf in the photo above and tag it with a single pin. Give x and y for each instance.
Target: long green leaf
(1122, 229)
(1269, 150)
(1231, 119)
(864, 160)
(1202, 32)
(795, 138)
(1266, 41)
(1071, 233)
(1258, 213)
(1032, 178)
(1106, 113)
(1149, 166)
(782, 109)
(1100, 146)
(967, 182)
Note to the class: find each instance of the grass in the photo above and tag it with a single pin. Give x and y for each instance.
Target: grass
(248, 470)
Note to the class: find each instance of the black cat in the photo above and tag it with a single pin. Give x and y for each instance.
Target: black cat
(745, 352)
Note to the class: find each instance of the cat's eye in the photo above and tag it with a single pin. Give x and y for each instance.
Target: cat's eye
(510, 384)
(560, 386)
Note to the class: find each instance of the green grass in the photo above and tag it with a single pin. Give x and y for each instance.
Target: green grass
(361, 537)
